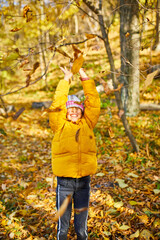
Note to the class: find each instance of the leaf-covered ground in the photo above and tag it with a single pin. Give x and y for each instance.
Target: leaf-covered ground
(124, 202)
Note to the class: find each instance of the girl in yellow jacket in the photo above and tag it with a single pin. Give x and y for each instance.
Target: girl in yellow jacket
(74, 150)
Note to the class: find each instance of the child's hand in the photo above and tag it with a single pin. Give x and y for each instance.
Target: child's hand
(67, 74)
(82, 73)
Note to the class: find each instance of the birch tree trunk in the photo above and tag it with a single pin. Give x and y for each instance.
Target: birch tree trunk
(157, 28)
(98, 12)
(130, 46)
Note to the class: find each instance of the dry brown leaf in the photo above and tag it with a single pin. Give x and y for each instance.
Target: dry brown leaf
(28, 80)
(149, 79)
(25, 10)
(63, 208)
(26, 61)
(77, 51)
(90, 36)
(15, 29)
(35, 66)
(64, 53)
(27, 13)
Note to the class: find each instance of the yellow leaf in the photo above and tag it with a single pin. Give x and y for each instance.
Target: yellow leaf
(23, 212)
(144, 219)
(132, 175)
(32, 169)
(156, 223)
(63, 208)
(124, 227)
(34, 229)
(30, 238)
(77, 64)
(136, 203)
(127, 34)
(135, 235)
(121, 183)
(145, 234)
(111, 133)
(118, 204)
(100, 174)
(156, 191)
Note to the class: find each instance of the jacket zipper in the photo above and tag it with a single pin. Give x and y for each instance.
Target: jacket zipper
(79, 153)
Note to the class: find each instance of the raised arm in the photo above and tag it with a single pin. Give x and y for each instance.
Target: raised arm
(92, 100)
(57, 110)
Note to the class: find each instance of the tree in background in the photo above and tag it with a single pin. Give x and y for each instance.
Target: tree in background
(130, 47)
(32, 34)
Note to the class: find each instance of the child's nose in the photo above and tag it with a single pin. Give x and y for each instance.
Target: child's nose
(74, 110)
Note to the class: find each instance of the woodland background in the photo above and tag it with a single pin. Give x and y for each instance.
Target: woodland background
(36, 38)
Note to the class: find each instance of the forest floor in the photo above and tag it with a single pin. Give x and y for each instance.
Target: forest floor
(124, 202)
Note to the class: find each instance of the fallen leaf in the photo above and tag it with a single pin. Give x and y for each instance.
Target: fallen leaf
(121, 183)
(156, 191)
(144, 219)
(135, 235)
(124, 227)
(146, 234)
(132, 175)
(100, 174)
(11, 235)
(118, 204)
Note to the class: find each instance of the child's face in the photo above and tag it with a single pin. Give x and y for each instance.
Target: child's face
(74, 113)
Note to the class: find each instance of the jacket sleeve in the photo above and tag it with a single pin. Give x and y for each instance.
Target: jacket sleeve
(92, 102)
(57, 110)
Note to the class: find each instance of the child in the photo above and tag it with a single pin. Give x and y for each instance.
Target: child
(74, 150)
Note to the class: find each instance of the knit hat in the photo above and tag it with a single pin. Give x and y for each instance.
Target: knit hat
(74, 101)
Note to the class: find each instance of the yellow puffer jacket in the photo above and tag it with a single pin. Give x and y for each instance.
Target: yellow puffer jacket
(73, 145)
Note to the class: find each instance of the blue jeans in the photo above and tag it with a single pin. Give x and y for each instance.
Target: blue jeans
(79, 188)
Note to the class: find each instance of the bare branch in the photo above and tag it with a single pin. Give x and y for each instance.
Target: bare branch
(38, 79)
(91, 7)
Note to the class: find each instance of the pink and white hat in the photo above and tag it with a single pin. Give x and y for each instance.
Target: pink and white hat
(74, 101)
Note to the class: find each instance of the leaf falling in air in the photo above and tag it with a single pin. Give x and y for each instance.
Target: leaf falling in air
(15, 29)
(64, 53)
(77, 51)
(90, 36)
(62, 208)
(77, 64)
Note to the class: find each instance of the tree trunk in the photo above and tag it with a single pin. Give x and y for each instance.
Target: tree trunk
(157, 40)
(113, 73)
(130, 45)
(42, 41)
